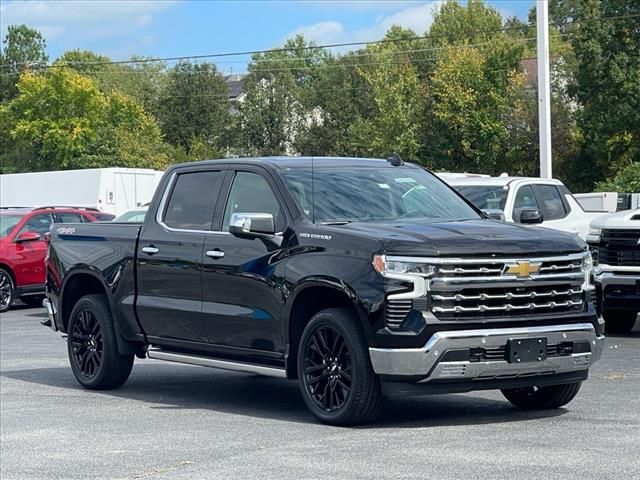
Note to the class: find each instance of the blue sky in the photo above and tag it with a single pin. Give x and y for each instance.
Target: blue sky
(168, 28)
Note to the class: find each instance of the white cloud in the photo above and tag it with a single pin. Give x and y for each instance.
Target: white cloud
(81, 19)
(417, 17)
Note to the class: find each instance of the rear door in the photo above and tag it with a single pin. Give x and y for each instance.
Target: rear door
(169, 300)
(242, 278)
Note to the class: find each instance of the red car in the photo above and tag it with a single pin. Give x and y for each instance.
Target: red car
(23, 248)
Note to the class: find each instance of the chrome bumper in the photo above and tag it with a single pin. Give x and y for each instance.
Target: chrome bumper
(613, 277)
(51, 314)
(426, 361)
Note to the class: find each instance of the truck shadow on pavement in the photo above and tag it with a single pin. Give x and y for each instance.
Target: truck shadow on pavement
(180, 387)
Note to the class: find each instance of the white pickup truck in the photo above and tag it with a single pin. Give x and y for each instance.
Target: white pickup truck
(615, 244)
(525, 200)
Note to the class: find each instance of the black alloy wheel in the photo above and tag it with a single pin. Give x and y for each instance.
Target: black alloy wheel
(86, 344)
(327, 369)
(336, 378)
(6, 290)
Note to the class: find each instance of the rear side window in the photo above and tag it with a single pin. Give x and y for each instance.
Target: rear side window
(190, 205)
(551, 202)
(525, 200)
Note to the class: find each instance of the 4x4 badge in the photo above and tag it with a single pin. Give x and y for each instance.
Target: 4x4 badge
(522, 269)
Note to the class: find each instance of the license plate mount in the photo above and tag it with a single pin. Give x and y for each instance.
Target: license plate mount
(521, 350)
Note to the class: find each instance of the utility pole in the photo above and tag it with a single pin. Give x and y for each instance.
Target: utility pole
(544, 89)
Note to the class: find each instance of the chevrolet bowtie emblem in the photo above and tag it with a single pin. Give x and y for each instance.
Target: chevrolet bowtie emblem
(522, 269)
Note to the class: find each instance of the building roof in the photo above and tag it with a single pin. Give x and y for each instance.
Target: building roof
(236, 85)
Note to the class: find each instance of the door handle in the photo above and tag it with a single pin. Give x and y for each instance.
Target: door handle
(215, 253)
(150, 250)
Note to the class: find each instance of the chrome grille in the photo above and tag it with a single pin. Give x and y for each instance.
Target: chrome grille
(492, 288)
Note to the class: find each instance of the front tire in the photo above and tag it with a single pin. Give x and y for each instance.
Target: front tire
(336, 379)
(92, 346)
(619, 321)
(542, 398)
(7, 290)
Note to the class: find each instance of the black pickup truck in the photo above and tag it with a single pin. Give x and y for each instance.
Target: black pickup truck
(360, 278)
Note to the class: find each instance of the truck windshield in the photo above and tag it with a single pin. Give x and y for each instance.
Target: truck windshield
(7, 223)
(489, 197)
(365, 194)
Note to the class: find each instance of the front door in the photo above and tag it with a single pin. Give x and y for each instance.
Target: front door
(242, 278)
(30, 266)
(169, 301)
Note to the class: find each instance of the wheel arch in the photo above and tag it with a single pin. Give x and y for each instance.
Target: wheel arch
(310, 297)
(76, 285)
(5, 266)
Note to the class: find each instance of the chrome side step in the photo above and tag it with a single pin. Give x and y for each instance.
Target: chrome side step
(159, 354)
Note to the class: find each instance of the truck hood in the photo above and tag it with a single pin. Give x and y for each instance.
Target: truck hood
(629, 219)
(468, 238)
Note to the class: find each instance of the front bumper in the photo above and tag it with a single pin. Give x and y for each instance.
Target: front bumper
(432, 362)
(620, 287)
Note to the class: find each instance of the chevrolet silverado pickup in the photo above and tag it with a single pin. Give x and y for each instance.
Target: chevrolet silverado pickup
(359, 278)
(615, 243)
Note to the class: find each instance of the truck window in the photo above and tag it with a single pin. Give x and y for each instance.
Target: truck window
(251, 193)
(552, 204)
(525, 199)
(485, 197)
(190, 205)
(38, 223)
(69, 218)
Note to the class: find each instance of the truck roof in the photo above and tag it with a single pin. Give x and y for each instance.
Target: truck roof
(284, 162)
(497, 181)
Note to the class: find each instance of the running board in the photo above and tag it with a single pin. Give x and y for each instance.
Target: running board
(160, 354)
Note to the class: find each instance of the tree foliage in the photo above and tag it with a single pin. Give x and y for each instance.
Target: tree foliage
(23, 48)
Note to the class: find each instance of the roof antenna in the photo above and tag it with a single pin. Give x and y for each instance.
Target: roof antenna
(395, 159)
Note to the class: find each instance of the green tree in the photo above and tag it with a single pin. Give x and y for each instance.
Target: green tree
(194, 107)
(280, 106)
(397, 94)
(143, 78)
(24, 49)
(627, 180)
(72, 124)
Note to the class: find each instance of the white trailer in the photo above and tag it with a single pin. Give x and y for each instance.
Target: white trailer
(113, 190)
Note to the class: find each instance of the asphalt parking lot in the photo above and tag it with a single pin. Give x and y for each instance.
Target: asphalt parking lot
(179, 422)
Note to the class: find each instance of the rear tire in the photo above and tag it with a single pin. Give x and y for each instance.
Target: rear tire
(92, 346)
(542, 398)
(32, 301)
(7, 290)
(619, 321)
(336, 379)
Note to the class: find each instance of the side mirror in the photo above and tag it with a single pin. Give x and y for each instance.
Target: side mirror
(531, 216)
(27, 237)
(252, 225)
(494, 214)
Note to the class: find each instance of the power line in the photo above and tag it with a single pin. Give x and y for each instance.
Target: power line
(331, 66)
(315, 47)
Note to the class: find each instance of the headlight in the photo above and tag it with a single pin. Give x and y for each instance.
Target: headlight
(388, 265)
(587, 268)
(594, 235)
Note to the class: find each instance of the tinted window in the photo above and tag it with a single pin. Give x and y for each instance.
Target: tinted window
(102, 217)
(190, 206)
(525, 199)
(69, 218)
(251, 193)
(38, 223)
(485, 198)
(552, 205)
(367, 194)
